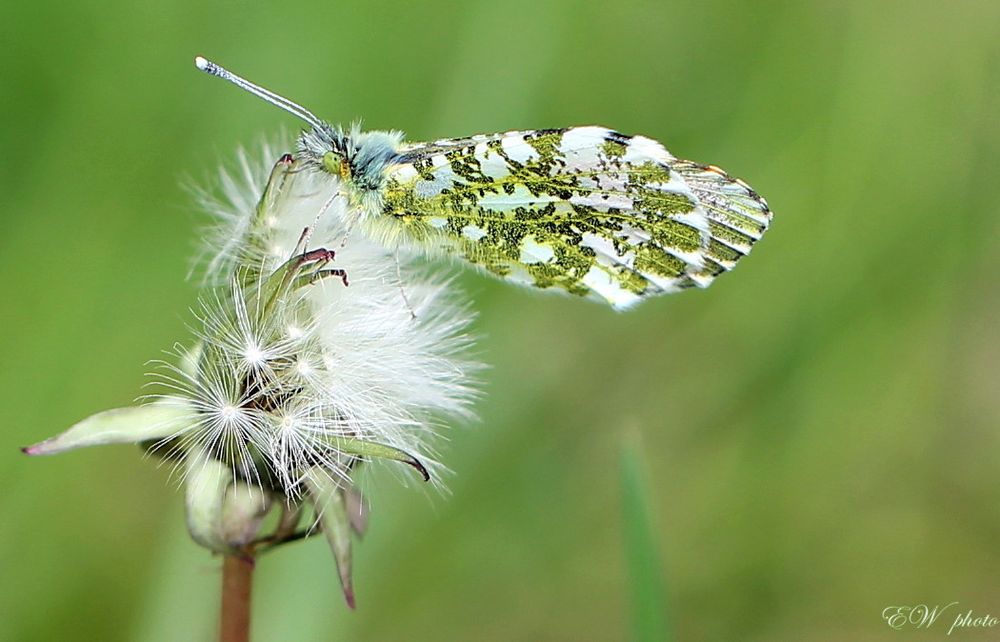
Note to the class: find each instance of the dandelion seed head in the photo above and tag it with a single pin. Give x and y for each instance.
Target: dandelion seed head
(286, 373)
(298, 377)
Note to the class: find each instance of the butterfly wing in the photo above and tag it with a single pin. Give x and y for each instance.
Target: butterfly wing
(585, 209)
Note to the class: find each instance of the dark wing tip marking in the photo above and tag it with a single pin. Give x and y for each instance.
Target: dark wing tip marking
(737, 215)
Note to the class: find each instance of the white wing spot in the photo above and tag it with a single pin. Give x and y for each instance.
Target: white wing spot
(429, 189)
(605, 249)
(601, 282)
(603, 201)
(404, 172)
(473, 232)
(492, 164)
(581, 146)
(534, 252)
(641, 149)
(517, 149)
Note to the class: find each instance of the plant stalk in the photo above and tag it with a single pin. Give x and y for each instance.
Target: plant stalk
(237, 580)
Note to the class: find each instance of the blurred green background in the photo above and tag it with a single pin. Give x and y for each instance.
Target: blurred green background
(818, 431)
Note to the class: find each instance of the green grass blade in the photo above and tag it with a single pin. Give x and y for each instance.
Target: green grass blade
(645, 568)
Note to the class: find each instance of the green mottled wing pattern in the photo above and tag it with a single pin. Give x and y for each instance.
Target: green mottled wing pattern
(585, 210)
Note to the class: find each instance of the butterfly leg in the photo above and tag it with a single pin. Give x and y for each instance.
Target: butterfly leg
(295, 273)
(316, 275)
(300, 246)
(307, 232)
(402, 290)
(319, 258)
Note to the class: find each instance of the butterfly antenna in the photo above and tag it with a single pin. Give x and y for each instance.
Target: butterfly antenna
(218, 71)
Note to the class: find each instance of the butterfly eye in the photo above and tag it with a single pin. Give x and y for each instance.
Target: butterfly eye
(331, 163)
(337, 165)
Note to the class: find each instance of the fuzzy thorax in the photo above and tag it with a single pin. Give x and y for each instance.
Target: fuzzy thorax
(359, 159)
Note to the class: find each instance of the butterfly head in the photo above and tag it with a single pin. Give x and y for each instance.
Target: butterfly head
(326, 148)
(359, 160)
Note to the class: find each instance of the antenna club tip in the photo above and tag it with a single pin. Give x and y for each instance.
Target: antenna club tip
(212, 69)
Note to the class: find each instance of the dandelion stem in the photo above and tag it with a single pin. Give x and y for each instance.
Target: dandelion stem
(237, 577)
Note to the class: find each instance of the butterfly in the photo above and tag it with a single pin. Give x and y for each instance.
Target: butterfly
(584, 210)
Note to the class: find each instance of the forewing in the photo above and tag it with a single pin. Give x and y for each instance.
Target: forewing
(584, 209)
